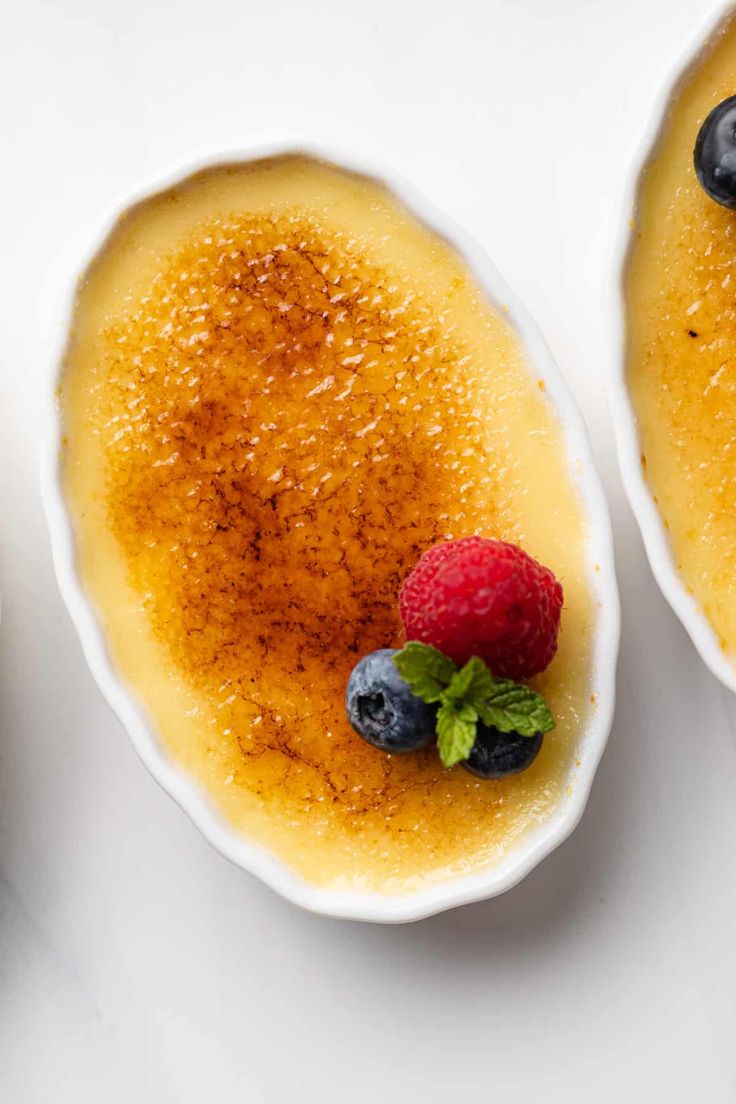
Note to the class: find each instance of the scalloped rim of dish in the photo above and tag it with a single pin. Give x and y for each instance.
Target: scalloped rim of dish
(649, 519)
(535, 843)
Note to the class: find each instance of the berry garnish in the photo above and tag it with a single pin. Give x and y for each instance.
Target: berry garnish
(469, 696)
(487, 598)
(496, 754)
(715, 153)
(382, 708)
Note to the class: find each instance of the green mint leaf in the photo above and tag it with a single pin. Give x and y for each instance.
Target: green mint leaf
(473, 683)
(514, 707)
(467, 695)
(456, 727)
(427, 670)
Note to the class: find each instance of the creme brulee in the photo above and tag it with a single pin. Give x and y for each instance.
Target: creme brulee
(280, 388)
(681, 330)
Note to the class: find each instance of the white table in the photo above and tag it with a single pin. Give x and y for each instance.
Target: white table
(135, 963)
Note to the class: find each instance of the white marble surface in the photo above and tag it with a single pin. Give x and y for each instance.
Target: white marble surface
(135, 963)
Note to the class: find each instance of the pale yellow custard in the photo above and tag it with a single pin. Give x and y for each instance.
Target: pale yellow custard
(681, 333)
(280, 388)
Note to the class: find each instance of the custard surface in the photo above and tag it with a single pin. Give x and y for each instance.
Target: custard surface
(681, 344)
(279, 389)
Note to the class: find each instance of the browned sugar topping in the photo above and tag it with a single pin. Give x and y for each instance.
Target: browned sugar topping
(287, 429)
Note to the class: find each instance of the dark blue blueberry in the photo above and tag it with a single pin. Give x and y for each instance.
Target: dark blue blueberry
(715, 153)
(383, 710)
(496, 754)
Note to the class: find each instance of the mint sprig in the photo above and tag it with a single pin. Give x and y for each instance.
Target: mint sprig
(469, 694)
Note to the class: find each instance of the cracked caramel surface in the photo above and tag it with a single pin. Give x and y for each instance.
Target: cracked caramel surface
(279, 390)
(681, 329)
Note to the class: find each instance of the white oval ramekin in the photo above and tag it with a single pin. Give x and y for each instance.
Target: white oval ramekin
(539, 840)
(653, 532)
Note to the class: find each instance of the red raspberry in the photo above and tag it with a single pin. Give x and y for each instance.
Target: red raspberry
(487, 598)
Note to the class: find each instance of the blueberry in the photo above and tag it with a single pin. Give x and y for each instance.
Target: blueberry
(496, 754)
(383, 710)
(715, 153)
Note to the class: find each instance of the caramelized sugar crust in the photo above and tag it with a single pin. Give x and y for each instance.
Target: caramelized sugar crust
(280, 505)
(681, 297)
(268, 422)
